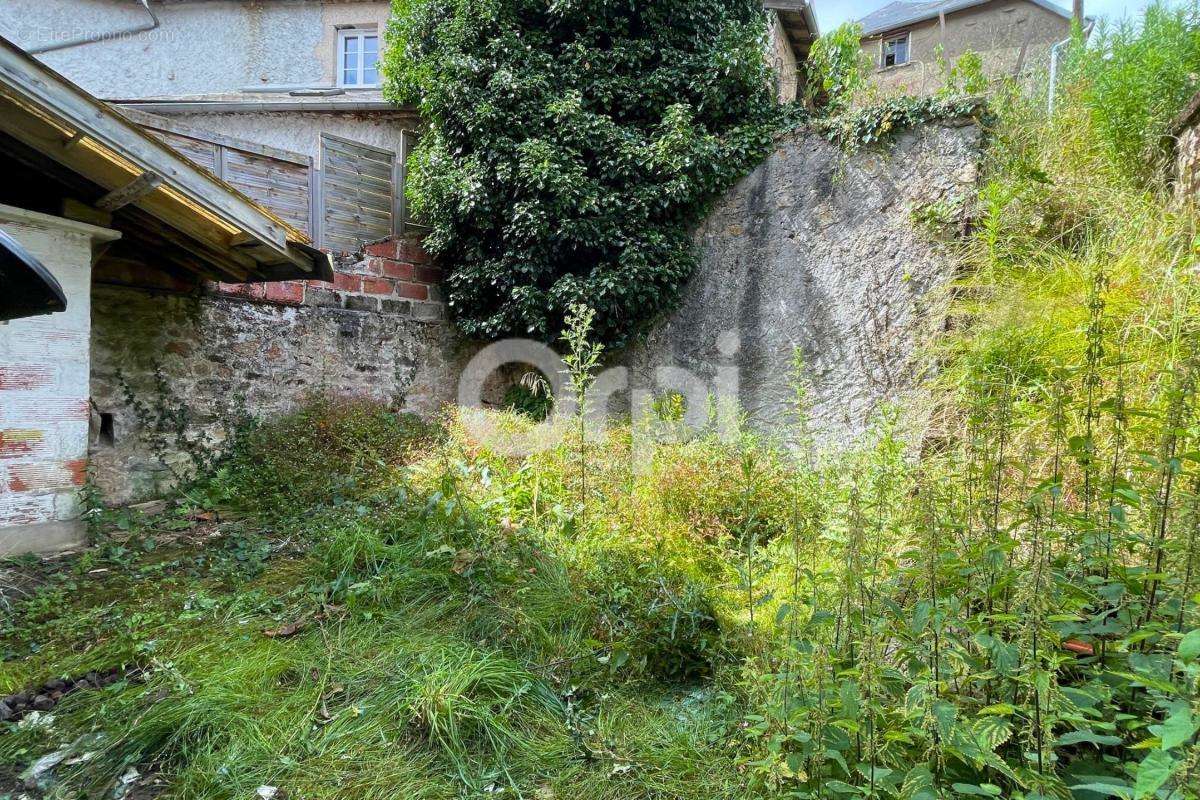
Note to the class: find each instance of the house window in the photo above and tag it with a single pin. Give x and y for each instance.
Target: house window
(358, 58)
(895, 51)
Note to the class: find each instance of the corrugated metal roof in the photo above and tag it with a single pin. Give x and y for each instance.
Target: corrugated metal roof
(901, 13)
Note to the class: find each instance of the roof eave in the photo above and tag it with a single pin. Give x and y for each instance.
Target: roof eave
(52, 115)
(961, 6)
(791, 11)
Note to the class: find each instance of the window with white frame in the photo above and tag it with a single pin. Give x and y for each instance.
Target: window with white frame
(358, 58)
(895, 51)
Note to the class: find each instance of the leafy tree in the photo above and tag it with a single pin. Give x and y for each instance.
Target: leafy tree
(837, 67)
(572, 144)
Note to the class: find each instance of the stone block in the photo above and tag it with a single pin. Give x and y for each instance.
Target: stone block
(362, 302)
(396, 307)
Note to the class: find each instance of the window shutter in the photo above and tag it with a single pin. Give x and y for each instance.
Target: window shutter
(358, 197)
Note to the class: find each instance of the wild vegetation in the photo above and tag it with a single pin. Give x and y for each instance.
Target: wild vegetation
(356, 604)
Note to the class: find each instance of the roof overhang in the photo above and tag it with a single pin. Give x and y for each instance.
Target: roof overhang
(929, 11)
(261, 106)
(226, 234)
(798, 22)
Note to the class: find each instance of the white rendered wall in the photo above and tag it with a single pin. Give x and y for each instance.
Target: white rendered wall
(300, 131)
(44, 389)
(199, 48)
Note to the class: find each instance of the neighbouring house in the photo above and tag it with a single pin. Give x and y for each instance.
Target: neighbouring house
(909, 44)
(86, 190)
(793, 29)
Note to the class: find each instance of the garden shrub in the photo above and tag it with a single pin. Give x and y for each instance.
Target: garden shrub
(571, 145)
(837, 68)
(1133, 79)
(330, 450)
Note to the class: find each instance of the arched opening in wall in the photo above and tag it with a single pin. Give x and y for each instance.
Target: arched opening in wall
(530, 394)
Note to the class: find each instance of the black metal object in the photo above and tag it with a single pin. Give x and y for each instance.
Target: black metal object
(27, 289)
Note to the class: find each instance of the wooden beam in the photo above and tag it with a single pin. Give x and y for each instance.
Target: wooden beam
(167, 125)
(139, 187)
(51, 98)
(79, 210)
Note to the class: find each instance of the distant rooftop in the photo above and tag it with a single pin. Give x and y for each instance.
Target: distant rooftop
(902, 13)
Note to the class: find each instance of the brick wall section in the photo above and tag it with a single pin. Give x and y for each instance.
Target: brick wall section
(394, 276)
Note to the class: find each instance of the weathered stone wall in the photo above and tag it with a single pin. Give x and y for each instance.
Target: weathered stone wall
(821, 251)
(258, 350)
(782, 61)
(816, 249)
(1187, 153)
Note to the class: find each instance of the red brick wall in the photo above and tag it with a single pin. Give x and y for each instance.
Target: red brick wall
(390, 277)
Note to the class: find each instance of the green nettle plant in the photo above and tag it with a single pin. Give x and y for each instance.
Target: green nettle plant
(572, 144)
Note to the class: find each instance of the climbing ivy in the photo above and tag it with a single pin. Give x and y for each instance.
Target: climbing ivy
(875, 123)
(572, 144)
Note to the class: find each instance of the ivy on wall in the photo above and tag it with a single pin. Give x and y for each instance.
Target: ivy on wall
(571, 146)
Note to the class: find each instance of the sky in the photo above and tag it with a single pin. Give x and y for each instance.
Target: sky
(831, 13)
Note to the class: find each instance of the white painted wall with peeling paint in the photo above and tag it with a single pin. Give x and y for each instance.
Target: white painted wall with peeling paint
(45, 365)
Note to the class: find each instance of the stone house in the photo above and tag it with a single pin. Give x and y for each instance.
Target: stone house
(281, 97)
(907, 43)
(793, 29)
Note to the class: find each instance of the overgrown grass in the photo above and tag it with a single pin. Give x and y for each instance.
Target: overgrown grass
(390, 610)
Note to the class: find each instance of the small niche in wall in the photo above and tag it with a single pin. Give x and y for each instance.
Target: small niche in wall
(107, 435)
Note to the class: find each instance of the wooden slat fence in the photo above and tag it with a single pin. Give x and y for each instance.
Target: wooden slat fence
(354, 195)
(358, 193)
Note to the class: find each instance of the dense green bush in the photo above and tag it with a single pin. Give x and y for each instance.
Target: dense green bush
(571, 145)
(837, 67)
(331, 450)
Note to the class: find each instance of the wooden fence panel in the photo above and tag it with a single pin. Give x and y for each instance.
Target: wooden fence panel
(280, 186)
(203, 153)
(357, 193)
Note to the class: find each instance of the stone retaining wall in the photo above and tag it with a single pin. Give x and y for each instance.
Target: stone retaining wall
(234, 350)
(836, 255)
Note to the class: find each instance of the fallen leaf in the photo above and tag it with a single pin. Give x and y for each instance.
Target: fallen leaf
(284, 631)
(1078, 647)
